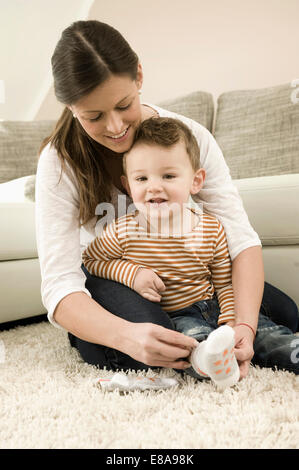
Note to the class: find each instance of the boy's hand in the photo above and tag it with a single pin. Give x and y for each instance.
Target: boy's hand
(148, 284)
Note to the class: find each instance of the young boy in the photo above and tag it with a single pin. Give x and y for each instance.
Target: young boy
(168, 250)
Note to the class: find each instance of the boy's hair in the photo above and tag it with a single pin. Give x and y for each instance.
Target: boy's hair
(167, 132)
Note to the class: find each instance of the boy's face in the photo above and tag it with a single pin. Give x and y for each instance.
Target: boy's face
(159, 177)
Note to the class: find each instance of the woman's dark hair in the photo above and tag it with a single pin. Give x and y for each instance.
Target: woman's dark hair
(86, 55)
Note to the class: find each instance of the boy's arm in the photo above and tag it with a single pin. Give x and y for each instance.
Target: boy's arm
(103, 258)
(221, 271)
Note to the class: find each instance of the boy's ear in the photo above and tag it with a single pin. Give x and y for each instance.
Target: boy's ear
(198, 181)
(125, 183)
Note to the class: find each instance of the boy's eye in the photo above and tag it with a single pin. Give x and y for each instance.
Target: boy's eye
(168, 176)
(141, 178)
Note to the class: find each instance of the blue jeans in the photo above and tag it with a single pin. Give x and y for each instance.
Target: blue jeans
(273, 344)
(280, 308)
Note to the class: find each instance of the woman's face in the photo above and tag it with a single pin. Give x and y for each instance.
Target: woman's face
(111, 112)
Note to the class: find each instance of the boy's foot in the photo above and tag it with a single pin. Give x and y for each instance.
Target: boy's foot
(215, 357)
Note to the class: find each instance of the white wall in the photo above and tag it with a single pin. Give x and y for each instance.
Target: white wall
(211, 45)
(29, 31)
(184, 45)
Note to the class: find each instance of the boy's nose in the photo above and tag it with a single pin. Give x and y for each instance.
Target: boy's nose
(154, 186)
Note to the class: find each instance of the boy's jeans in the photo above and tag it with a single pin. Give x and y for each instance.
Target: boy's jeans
(274, 345)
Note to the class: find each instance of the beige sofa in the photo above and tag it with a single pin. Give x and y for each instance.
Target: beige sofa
(258, 132)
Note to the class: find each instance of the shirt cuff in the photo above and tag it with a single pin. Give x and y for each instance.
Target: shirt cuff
(225, 317)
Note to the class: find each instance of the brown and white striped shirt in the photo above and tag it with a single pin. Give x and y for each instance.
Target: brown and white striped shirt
(193, 266)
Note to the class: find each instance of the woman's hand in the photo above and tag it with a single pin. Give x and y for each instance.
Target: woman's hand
(157, 346)
(243, 348)
(148, 284)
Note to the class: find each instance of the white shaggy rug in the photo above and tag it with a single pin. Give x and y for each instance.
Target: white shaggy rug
(49, 400)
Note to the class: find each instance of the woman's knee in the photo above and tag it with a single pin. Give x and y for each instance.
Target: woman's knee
(275, 346)
(280, 308)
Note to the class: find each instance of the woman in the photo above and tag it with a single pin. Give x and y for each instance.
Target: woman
(98, 77)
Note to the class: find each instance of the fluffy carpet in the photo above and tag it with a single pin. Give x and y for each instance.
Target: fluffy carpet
(49, 400)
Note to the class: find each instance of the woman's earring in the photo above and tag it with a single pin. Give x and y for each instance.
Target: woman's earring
(74, 116)
(139, 92)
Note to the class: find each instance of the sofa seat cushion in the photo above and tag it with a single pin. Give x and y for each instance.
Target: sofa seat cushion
(272, 206)
(258, 131)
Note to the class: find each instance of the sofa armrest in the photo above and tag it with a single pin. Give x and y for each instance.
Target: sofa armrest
(272, 205)
(17, 235)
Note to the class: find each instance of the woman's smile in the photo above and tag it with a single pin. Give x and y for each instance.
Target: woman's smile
(121, 137)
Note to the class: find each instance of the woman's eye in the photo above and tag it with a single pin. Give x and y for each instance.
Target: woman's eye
(96, 118)
(123, 108)
(141, 178)
(120, 108)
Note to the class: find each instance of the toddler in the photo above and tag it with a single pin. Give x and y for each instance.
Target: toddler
(168, 250)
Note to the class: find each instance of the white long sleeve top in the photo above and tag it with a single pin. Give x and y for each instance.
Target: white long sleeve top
(61, 241)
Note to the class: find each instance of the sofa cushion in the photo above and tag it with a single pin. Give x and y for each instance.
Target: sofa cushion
(258, 131)
(198, 106)
(19, 145)
(272, 206)
(17, 234)
(18, 190)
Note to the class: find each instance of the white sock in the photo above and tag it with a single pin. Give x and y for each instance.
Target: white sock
(215, 357)
(127, 383)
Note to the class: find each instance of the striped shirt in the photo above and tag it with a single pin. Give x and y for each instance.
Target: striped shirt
(193, 266)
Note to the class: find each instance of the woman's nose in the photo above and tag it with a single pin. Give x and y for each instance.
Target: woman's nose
(114, 124)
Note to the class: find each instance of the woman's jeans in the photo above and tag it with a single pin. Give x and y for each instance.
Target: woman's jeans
(275, 346)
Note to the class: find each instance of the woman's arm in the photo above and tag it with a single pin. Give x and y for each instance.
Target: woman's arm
(145, 342)
(248, 286)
